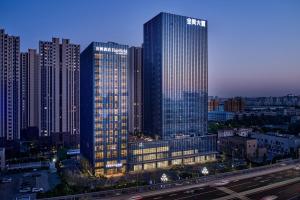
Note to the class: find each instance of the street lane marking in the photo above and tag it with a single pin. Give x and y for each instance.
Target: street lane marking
(267, 187)
(255, 185)
(295, 196)
(232, 186)
(233, 193)
(198, 194)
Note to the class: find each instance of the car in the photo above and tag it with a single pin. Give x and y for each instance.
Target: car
(221, 165)
(37, 189)
(138, 197)
(221, 183)
(24, 190)
(272, 197)
(7, 180)
(189, 191)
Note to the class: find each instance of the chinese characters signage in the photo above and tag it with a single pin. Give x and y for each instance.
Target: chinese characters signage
(195, 22)
(114, 50)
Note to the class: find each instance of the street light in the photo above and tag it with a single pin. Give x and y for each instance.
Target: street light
(205, 171)
(164, 178)
(54, 160)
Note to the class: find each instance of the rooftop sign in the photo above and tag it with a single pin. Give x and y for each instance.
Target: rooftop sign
(195, 22)
(113, 50)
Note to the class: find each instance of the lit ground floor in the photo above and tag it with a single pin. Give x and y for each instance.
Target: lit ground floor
(161, 164)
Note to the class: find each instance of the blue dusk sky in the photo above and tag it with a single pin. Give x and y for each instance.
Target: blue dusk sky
(254, 46)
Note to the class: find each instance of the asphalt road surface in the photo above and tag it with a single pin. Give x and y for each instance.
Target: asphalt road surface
(283, 185)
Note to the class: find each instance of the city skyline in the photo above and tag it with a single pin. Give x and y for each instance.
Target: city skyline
(246, 49)
(149, 99)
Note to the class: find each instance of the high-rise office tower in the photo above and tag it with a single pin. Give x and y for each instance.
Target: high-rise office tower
(104, 107)
(29, 89)
(59, 88)
(175, 76)
(135, 89)
(10, 123)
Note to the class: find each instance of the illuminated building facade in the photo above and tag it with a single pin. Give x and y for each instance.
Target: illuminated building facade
(104, 107)
(175, 76)
(158, 154)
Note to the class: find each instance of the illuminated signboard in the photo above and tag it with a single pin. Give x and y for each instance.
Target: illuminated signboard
(114, 165)
(195, 22)
(113, 50)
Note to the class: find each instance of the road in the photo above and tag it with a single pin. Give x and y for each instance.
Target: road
(284, 185)
(242, 183)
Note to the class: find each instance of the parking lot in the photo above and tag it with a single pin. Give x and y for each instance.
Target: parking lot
(27, 183)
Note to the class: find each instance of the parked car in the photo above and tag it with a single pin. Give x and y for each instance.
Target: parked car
(37, 189)
(138, 197)
(24, 190)
(272, 197)
(7, 180)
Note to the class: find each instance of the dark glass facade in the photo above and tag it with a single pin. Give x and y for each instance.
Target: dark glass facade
(175, 76)
(135, 90)
(104, 107)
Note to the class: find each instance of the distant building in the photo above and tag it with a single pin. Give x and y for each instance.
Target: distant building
(2, 159)
(288, 100)
(135, 89)
(244, 132)
(255, 113)
(235, 105)
(10, 100)
(213, 105)
(220, 116)
(238, 147)
(295, 119)
(278, 144)
(59, 88)
(225, 133)
(30, 89)
(292, 111)
(104, 107)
